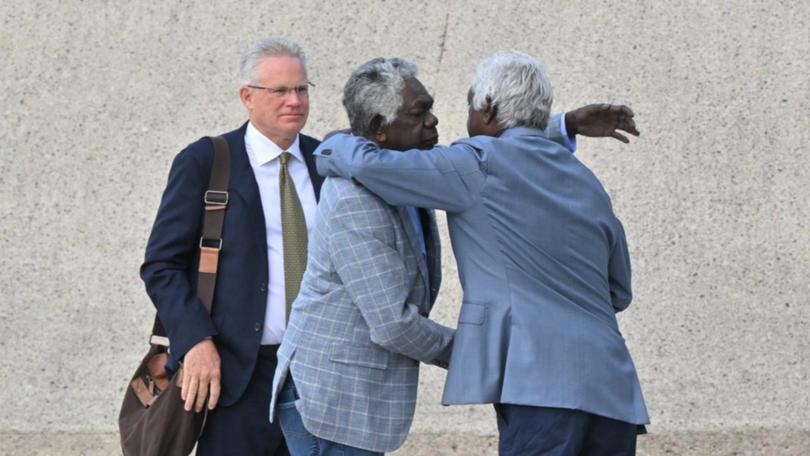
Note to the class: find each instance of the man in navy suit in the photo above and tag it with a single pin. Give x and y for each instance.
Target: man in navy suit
(229, 356)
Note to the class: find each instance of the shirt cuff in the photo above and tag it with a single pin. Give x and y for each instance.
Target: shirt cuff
(570, 143)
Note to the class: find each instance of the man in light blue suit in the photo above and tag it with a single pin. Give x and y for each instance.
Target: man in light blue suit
(349, 362)
(542, 259)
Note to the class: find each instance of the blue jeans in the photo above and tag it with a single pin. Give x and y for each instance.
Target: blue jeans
(301, 442)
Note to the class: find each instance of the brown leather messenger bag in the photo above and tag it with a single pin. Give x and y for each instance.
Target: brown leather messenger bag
(153, 421)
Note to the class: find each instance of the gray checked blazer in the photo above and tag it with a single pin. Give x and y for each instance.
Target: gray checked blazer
(359, 325)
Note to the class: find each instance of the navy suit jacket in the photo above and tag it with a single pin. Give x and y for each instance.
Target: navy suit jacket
(172, 257)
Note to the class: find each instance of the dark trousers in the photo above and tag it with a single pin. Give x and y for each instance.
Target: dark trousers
(547, 431)
(244, 428)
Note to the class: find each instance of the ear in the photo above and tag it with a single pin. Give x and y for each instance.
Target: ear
(378, 131)
(246, 96)
(490, 112)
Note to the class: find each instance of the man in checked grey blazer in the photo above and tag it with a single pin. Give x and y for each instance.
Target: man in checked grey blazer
(349, 362)
(542, 259)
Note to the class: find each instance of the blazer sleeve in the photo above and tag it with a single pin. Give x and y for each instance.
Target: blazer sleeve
(447, 178)
(619, 271)
(556, 131)
(170, 256)
(374, 275)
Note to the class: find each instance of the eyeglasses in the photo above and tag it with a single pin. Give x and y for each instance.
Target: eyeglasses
(281, 92)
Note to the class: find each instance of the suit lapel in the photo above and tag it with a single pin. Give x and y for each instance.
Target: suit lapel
(243, 182)
(308, 146)
(433, 248)
(413, 239)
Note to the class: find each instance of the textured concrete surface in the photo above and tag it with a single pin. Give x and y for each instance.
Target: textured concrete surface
(98, 96)
(749, 441)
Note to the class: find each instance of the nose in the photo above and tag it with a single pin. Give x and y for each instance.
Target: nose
(293, 98)
(431, 120)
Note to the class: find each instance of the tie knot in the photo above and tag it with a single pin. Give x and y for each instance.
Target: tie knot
(285, 158)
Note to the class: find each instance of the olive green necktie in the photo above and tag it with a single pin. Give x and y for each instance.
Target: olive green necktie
(293, 232)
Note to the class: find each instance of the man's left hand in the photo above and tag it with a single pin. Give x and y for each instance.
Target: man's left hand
(601, 120)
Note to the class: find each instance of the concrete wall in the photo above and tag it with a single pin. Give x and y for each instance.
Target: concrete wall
(98, 96)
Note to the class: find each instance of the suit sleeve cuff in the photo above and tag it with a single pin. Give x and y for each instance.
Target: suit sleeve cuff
(191, 330)
(570, 143)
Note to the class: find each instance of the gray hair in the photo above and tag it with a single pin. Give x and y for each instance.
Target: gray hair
(267, 47)
(518, 85)
(375, 88)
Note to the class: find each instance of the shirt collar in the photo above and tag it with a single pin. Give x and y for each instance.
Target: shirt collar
(265, 150)
(521, 131)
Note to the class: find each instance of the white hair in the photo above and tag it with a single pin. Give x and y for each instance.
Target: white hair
(267, 47)
(375, 89)
(518, 85)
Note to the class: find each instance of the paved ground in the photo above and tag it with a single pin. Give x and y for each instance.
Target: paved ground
(753, 441)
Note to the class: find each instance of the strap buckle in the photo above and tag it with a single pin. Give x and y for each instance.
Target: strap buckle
(203, 240)
(216, 197)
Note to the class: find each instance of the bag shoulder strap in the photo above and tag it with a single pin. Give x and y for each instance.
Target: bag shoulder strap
(216, 201)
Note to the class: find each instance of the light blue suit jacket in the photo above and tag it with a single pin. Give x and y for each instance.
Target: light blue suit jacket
(542, 259)
(359, 325)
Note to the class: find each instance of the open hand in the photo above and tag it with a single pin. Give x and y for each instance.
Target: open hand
(601, 120)
(200, 374)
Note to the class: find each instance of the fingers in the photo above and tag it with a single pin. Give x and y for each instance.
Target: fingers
(202, 393)
(184, 378)
(190, 392)
(215, 390)
(631, 128)
(624, 120)
(624, 111)
(620, 137)
(200, 372)
(197, 391)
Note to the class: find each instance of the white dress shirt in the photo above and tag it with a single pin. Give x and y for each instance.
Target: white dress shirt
(264, 159)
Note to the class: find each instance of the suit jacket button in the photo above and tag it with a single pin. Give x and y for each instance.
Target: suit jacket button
(257, 327)
(263, 287)
(424, 314)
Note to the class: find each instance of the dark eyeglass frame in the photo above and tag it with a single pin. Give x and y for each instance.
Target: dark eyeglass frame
(281, 92)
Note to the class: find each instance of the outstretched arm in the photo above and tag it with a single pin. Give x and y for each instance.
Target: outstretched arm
(447, 178)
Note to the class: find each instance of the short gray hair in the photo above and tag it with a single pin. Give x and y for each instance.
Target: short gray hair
(518, 85)
(375, 88)
(267, 47)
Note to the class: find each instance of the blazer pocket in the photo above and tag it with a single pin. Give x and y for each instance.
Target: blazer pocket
(359, 355)
(472, 314)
